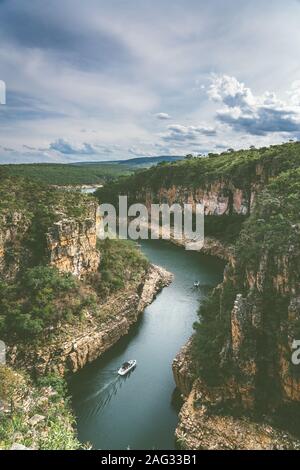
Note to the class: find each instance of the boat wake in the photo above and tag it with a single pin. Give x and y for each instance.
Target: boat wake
(106, 388)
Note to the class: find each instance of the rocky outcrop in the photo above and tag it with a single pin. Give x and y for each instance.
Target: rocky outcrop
(182, 366)
(71, 244)
(205, 422)
(263, 328)
(218, 198)
(74, 346)
(13, 228)
(204, 425)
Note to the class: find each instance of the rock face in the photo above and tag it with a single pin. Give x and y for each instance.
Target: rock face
(263, 327)
(182, 367)
(71, 244)
(218, 198)
(13, 228)
(204, 426)
(204, 421)
(74, 347)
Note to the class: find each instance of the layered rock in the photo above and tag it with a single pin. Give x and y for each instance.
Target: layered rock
(71, 244)
(205, 419)
(203, 425)
(218, 198)
(13, 228)
(183, 369)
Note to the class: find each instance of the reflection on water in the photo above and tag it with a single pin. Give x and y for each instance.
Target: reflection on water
(140, 410)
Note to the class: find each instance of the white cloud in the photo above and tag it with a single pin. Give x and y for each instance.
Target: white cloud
(163, 116)
(256, 115)
(294, 94)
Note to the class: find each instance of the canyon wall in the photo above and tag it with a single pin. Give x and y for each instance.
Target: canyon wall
(205, 419)
(13, 228)
(71, 244)
(218, 198)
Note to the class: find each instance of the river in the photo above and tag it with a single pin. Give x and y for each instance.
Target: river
(141, 410)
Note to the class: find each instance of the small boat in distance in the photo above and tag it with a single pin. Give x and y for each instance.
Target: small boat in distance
(197, 284)
(127, 367)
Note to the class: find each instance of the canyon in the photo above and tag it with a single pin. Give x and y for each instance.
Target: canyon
(235, 374)
(244, 367)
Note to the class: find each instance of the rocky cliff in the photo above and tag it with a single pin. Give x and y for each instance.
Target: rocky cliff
(203, 425)
(224, 184)
(218, 198)
(62, 307)
(243, 345)
(13, 227)
(206, 422)
(71, 244)
(39, 225)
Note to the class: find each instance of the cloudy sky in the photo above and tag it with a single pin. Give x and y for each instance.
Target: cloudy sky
(107, 79)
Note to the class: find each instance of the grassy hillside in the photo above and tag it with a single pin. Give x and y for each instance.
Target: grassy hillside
(59, 174)
(82, 173)
(239, 167)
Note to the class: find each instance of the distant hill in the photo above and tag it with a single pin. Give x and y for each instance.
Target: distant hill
(144, 162)
(83, 173)
(149, 161)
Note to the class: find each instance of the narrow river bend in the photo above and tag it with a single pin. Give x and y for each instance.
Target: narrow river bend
(141, 410)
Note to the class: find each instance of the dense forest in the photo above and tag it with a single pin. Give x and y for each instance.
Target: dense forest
(64, 175)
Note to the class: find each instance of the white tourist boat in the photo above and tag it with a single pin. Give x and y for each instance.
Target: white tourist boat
(127, 367)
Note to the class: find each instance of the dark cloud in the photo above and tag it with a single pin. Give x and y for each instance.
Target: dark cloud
(262, 121)
(180, 133)
(35, 25)
(64, 147)
(255, 115)
(23, 107)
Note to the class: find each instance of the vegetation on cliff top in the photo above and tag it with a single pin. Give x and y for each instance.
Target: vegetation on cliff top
(34, 199)
(63, 175)
(240, 168)
(40, 298)
(35, 415)
(121, 263)
(32, 305)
